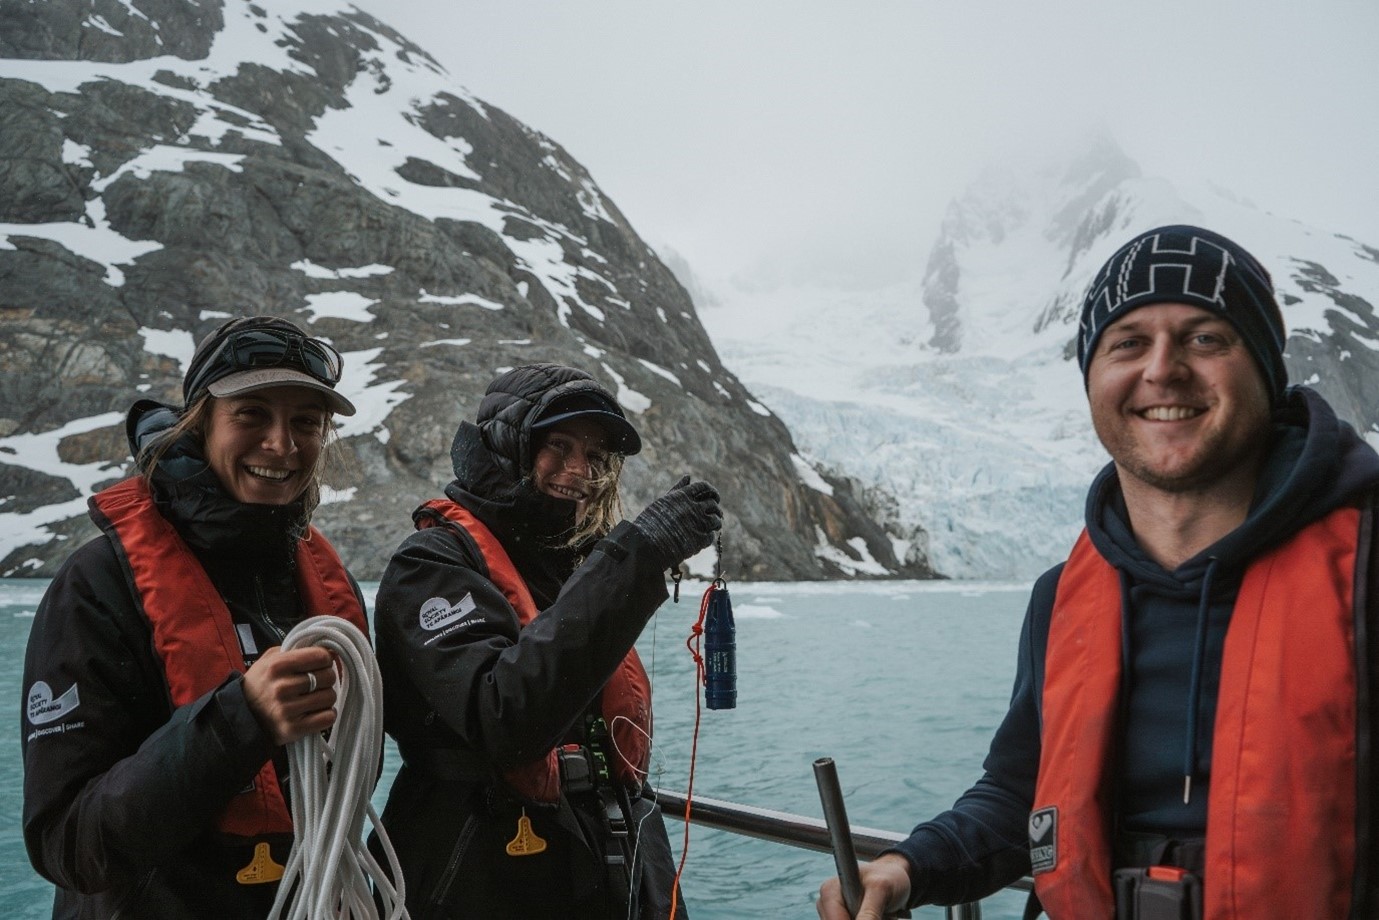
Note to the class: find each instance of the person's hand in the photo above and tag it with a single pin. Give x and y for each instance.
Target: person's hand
(885, 890)
(292, 694)
(681, 522)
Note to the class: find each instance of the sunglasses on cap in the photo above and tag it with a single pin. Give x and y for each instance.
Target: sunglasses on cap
(250, 349)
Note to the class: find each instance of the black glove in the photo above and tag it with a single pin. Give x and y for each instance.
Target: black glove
(681, 522)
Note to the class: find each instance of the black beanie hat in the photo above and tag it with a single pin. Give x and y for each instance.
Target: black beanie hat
(1182, 264)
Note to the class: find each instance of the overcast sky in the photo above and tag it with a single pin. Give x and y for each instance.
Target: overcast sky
(758, 137)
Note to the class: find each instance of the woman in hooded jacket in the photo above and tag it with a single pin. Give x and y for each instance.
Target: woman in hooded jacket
(506, 626)
(158, 702)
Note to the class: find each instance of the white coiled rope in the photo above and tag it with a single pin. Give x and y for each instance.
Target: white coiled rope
(332, 781)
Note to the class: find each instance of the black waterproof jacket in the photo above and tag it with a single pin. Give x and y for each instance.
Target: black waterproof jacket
(464, 705)
(1316, 464)
(120, 805)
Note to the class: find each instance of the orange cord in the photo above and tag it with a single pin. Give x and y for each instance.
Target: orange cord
(692, 643)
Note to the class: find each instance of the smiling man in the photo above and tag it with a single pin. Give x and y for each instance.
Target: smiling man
(1193, 719)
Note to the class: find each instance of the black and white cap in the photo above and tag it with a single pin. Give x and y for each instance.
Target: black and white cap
(1185, 264)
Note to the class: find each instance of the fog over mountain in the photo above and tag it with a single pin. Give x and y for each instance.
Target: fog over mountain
(167, 163)
(957, 393)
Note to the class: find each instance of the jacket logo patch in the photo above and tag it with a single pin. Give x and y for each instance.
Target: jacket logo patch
(1043, 839)
(437, 613)
(42, 708)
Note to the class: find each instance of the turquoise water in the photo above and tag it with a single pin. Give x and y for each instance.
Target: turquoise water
(901, 683)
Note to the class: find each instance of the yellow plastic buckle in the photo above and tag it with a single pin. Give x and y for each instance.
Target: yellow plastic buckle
(526, 843)
(261, 869)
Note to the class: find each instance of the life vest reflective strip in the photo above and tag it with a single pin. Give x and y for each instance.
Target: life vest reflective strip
(1281, 809)
(624, 703)
(193, 631)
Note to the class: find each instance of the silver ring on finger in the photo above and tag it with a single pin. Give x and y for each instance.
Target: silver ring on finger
(310, 681)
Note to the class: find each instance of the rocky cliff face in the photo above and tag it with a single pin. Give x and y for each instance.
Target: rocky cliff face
(166, 163)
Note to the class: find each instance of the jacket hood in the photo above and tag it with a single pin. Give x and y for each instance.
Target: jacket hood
(513, 403)
(514, 510)
(1316, 464)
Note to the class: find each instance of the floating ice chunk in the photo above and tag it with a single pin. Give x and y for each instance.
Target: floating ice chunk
(756, 612)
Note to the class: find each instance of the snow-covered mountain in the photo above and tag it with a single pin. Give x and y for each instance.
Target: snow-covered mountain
(168, 163)
(955, 397)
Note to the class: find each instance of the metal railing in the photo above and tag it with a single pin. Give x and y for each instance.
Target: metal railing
(797, 831)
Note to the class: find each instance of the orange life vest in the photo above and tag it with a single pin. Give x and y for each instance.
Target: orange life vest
(1281, 809)
(193, 631)
(624, 703)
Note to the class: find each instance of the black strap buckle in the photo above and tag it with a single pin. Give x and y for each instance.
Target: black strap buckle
(577, 770)
(1157, 893)
(613, 816)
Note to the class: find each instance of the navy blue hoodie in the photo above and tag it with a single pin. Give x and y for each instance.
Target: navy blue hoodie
(1175, 630)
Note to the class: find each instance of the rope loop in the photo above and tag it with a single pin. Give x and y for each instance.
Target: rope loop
(330, 868)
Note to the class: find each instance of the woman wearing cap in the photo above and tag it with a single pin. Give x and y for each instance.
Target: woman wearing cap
(506, 625)
(158, 702)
